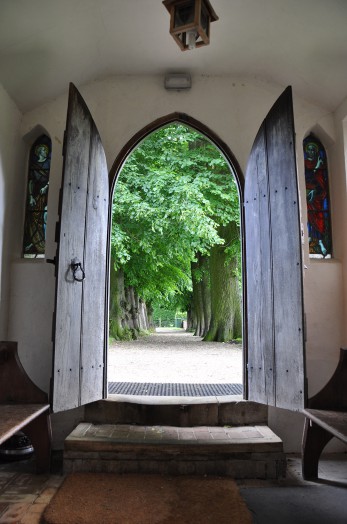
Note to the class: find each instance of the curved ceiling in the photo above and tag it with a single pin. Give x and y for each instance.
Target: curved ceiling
(45, 44)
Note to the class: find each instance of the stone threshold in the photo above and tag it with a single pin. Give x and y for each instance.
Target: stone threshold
(104, 437)
(239, 451)
(173, 400)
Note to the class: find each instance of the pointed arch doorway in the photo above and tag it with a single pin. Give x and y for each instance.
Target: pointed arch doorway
(170, 372)
(273, 296)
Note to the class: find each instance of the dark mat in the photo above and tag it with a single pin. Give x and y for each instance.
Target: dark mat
(174, 390)
(313, 504)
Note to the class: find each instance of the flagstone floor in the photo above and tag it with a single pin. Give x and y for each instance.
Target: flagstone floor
(24, 494)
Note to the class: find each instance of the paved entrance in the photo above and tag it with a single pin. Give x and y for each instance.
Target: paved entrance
(172, 362)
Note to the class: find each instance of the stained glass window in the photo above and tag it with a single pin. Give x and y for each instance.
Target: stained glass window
(317, 198)
(37, 194)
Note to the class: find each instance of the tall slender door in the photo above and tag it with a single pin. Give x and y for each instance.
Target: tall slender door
(274, 298)
(80, 328)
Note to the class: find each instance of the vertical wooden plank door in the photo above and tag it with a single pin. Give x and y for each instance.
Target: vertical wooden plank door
(80, 331)
(274, 301)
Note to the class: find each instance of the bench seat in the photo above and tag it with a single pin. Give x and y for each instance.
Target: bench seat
(23, 406)
(14, 417)
(325, 418)
(335, 422)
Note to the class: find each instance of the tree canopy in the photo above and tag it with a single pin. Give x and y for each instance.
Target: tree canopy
(173, 195)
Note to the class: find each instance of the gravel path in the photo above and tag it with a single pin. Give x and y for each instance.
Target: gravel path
(174, 356)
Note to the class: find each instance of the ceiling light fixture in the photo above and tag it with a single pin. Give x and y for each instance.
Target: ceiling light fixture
(190, 22)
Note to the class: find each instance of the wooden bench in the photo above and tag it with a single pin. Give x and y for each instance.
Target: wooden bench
(325, 418)
(23, 406)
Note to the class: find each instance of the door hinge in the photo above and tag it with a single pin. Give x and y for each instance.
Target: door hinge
(53, 326)
(57, 232)
(64, 144)
(305, 328)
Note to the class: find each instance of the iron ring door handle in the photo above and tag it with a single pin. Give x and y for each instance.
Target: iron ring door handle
(77, 266)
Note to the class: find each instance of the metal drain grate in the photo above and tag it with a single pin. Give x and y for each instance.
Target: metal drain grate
(174, 390)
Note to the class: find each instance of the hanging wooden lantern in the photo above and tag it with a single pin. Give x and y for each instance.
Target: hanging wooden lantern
(190, 22)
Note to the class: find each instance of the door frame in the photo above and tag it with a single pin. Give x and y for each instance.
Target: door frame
(116, 168)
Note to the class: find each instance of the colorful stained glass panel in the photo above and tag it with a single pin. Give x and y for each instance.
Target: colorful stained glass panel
(37, 195)
(317, 198)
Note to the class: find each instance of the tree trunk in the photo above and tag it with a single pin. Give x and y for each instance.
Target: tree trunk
(201, 294)
(117, 302)
(133, 308)
(151, 325)
(198, 306)
(128, 312)
(225, 292)
(143, 319)
(193, 318)
(189, 318)
(204, 264)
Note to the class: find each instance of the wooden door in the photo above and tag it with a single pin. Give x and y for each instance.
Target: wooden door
(274, 297)
(79, 361)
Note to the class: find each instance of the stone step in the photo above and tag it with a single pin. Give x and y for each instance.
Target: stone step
(188, 412)
(238, 452)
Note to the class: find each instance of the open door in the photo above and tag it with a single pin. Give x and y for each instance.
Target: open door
(274, 304)
(79, 361)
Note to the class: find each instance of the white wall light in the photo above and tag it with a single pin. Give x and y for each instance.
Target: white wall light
(177, 81)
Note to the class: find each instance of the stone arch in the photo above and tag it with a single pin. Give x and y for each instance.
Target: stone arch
(179, 118)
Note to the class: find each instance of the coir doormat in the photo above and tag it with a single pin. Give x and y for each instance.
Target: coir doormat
(107, 498)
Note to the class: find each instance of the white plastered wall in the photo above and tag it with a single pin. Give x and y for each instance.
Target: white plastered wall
(11, 183)
(324, 296)
(340, 215)
(234, 110)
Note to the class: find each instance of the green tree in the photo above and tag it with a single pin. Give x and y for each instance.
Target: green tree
(226, 322)
(173, 197)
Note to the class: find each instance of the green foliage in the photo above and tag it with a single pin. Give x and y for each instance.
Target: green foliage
(165, 315)
(167, 311)
(172, 194)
